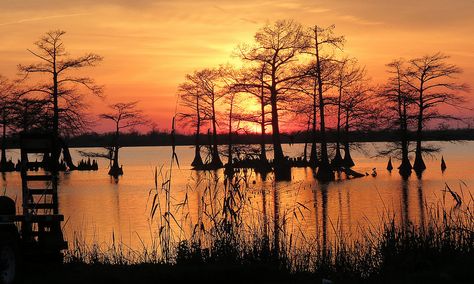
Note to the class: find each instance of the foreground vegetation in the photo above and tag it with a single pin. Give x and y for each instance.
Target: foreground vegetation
(437, 255)
(224, 246)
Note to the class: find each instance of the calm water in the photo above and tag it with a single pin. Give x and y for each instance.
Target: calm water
(97, 207)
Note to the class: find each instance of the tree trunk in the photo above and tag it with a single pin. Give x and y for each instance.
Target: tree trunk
(216, 160)
(282, 169)
(263, 151)
(313, 158)
(278, 155)
(337, 161)
(56, 149)
(325, 173)
(347, 162)
(405, 167)
(197, 162)
(115, 164)
(229, 168)
(115, 170)
(419, 164)
(305, 150)
(197, 153)
(67, 155)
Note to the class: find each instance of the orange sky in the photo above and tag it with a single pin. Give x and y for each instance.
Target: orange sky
(148, 46)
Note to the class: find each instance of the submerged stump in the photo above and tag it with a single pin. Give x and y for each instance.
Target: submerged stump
(389, 165)
(405, 168)
(443, 164)
(116, 171)
(419, 165)
(197, 162)
(348, 162)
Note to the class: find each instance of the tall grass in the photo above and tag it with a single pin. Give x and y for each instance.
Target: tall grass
(230, 230)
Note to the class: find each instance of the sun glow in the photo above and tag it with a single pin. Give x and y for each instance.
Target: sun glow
(149, 46)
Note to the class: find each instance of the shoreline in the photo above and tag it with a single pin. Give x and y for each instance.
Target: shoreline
(152, 139)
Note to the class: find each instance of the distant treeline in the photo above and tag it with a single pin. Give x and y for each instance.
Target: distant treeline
(164, 138)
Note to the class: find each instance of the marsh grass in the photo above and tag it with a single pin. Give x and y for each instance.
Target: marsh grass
(232, 234)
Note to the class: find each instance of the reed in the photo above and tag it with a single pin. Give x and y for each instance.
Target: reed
(441, 248)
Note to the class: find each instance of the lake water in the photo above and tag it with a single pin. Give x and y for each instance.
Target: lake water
(97, 207)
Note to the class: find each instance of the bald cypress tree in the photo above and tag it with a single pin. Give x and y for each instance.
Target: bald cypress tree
(433, 81)
(61, 87)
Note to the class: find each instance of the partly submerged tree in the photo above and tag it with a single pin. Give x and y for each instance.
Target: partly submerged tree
(398, 102)
(231, 100)
(432, 79)
(308, 85)
(347, 73)
(321, 46)
(252, 82)
(192, 98)
(210, 85)
(62, 89)
(124, 116)
(277, 47)
(228, 77)
(357, 112)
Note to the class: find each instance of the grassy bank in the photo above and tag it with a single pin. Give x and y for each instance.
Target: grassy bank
(437, 254)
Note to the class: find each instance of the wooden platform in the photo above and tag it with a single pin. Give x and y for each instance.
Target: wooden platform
(31, 218)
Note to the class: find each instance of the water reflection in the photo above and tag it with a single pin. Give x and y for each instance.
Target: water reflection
(405, 217)
(114, 180)
(264, 213)
(417, 203)
(97, 205)
(348, 206)
(316, 211)
(421, 203)
(276, 221)
(324, 217)
(340, 219)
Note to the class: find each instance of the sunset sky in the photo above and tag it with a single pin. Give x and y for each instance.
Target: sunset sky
(148, 46)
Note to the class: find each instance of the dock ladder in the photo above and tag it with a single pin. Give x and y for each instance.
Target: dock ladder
(41, 224)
